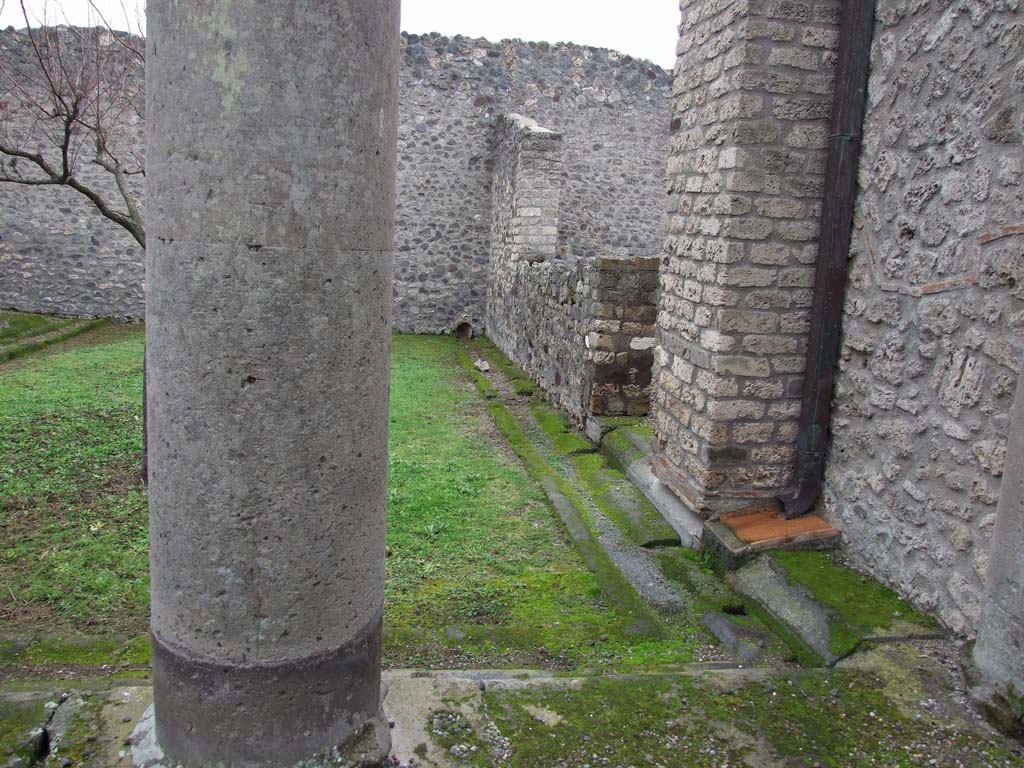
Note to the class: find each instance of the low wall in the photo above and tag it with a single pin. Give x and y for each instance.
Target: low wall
(584, 329)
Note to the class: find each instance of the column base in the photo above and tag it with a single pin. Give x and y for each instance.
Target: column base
(272, 714)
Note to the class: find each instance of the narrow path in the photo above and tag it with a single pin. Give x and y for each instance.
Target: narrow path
(635, 564)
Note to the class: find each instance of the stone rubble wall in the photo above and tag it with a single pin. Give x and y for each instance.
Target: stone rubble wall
(751, 104)
(934, 317)
(58, 255)
(583, 328)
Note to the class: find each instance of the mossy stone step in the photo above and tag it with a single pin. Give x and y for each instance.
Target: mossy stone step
(623, 503)
(823, 609)
(23, 720)
(629, 449)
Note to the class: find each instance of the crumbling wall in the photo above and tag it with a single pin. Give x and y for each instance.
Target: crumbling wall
(58, 255)
(934, 317)
(582, 327)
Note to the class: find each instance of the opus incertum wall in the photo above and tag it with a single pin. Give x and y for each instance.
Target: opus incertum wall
(934, 324)
(58, 255)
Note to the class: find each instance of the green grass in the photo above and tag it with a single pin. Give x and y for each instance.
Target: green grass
(480, 569)
(22, 334)
(73, 541)
(19, 325)
(478, 565)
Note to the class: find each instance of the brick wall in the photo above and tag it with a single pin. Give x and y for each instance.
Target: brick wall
(751, 102)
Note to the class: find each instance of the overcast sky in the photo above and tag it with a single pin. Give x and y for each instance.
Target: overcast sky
(642, 28)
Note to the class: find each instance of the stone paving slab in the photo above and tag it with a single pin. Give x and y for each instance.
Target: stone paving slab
(908, 696)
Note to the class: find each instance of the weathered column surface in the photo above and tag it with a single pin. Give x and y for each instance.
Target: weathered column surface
(999, 651)
(270, 199)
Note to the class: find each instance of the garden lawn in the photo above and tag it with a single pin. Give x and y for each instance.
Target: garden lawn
(479, 570)
(73, 542)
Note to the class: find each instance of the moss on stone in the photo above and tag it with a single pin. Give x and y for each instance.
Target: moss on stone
(459, 739)
(520, 383)
(81, 744)
(523, 387)
(620, 501)
(573, 515)
(556, 426)
(832, 719)
(20, 721)
(78, 651)
(614, 422)
(482, 383)
(860, 606)
(622, 452)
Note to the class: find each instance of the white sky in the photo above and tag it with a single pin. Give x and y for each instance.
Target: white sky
(642, 28)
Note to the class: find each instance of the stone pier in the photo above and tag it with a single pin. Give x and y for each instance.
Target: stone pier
(270, 206)
(999, 651)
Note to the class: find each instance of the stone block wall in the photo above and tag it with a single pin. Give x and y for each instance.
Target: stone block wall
(582, 327)
(57, 255)
(527, 185)
(751, 103)
(621, 336)
(934, 318)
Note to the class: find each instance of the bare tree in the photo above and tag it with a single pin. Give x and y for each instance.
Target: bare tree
(72, 97)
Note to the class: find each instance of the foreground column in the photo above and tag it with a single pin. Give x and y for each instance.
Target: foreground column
(999, 651)
(270, 197)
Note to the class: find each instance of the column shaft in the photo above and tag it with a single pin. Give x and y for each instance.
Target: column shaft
(270, 202)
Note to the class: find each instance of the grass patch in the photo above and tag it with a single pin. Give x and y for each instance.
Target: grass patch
(22, 335)
(19, 325)
(575, 519)
(480, 571)
(861, 606)
(73, 538)
(807, 718)
(565, 440)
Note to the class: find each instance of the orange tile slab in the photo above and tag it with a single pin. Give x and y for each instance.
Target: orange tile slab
(766, 526)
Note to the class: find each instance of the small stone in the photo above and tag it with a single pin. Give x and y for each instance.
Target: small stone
(481, 365)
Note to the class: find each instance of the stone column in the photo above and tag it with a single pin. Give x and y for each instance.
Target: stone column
(999, 651)
(271, 145)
